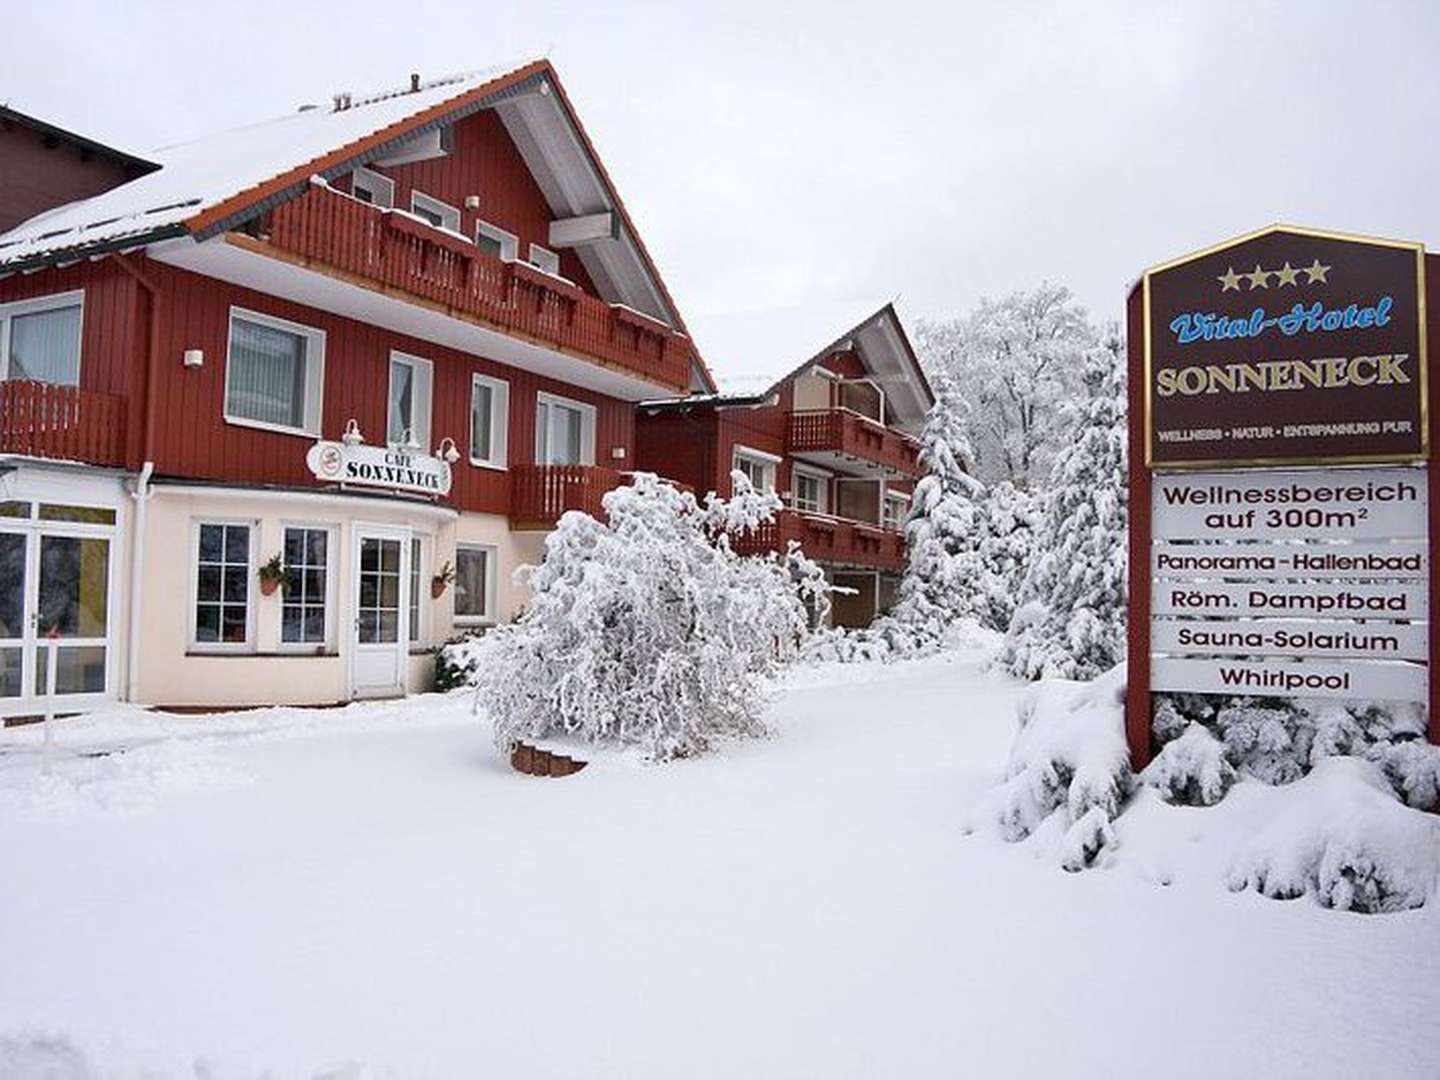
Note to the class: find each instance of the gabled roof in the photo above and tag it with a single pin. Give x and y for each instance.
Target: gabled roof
(213, 184)
(10, 117)
(883, 347)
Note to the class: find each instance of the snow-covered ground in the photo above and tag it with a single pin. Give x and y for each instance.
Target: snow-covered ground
(369, 892)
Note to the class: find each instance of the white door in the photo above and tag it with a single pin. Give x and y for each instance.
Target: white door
(380, 638)
(55, 599)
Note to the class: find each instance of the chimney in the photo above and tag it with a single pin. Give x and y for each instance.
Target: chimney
(414, 82)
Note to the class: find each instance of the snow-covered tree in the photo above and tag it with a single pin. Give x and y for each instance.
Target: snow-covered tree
(1017, 360)
(1072, 618)
(1008, 520)
(646, 629)
(945, 578)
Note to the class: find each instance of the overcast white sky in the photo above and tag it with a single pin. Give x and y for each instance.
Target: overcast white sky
(794, 166)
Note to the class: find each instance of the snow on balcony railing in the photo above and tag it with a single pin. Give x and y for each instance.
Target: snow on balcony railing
(404, 253)
(827, 539)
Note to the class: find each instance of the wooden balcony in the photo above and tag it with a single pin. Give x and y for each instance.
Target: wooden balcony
(841, 437)
(540, 494)
(329, 231)
(61, 422)
(829, 540)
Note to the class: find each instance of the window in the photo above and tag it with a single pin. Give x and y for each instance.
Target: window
(303, 610)
(222, 584)
(489, 421)
(441, 215)
(40, 339)
(564, 432)
(758, 468)
(474, 583)
(496, 241)
(544, 259)
(417, 625)
(273, 373)
(409, 418)
(897, 507)
(810, 491)
(371, 187)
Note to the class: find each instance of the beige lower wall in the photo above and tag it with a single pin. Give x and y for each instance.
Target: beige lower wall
(175, 671)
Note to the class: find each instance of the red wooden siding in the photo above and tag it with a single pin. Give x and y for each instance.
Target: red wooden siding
(192, 439)
(483, 161)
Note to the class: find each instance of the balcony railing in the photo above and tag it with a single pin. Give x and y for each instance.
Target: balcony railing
(825, 539)
(402, 253)
(848, 434)
(540, 494)
(62, 422)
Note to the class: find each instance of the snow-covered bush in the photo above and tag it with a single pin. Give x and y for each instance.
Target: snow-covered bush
(1192, 769)
(646, 629)
(1070, 758)
(457, 662)
(1342, 835)
(1071, 619)
(1007, 536)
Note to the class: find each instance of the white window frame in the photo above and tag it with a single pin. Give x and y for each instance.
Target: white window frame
(900, 497)
(381, 188)
(314, 373)
(587, 425)
(508, 241)
(492, 564)
(423, 545)
(449, 215)
(33, 306)
(818, 475)
(193, 642)
(545, 260)
(769, 463)
(422, 398)
(332, 573)
(499, 422)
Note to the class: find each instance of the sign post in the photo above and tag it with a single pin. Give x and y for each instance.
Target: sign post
(1282, 503)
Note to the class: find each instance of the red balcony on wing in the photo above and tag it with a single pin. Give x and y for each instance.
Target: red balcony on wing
(61, 422)
(844, 439)
(540, 494)
(329, 231)
(830, 540)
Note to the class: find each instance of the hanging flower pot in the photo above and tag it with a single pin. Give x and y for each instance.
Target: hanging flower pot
(272, 576)
(441, 581)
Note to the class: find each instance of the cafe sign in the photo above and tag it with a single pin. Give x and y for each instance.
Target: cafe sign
(1286, 346)
(379, 467)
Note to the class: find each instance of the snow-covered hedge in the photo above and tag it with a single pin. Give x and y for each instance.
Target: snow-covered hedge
(1337, 825)
(646, 629)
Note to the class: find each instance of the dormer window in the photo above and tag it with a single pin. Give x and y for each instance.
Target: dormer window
(371, 187)
(441, 215)
(544, 259)
(496, 242)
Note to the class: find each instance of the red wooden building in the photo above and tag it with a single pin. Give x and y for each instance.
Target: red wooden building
(384, 342)
(835, 437)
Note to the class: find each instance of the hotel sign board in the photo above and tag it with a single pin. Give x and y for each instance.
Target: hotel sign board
(1286, 346)
(379, 467)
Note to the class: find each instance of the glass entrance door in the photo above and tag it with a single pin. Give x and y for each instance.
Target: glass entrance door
(381, 639)
(14, 549)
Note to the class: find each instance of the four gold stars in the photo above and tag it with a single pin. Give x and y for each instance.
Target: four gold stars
(1259, 278)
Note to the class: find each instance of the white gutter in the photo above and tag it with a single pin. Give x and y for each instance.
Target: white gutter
(141, 495)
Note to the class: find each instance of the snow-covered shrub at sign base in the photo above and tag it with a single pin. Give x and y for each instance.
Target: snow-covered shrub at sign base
(646, 629)
(1345, 837)
(1069, 758)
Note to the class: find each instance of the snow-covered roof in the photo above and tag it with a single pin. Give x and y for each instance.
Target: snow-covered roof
(200, 175)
